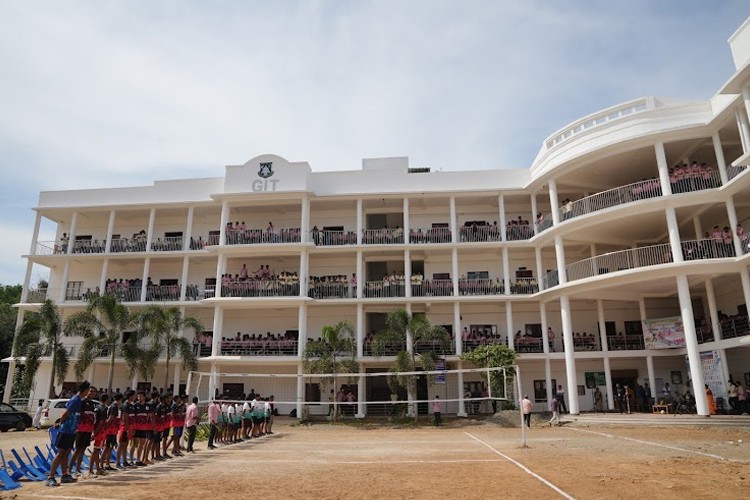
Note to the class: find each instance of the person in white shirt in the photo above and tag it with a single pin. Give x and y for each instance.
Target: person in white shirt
(247, 421)
(526, 408)
(230, 434)
(37, 422)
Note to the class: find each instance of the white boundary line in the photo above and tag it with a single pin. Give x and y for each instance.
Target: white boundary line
(522, 467)
(361, 462)
(62, 496)
(651, 443)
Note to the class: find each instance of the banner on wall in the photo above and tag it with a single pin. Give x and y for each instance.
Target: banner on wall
(663, 333)
(713, 373)
(440, 379)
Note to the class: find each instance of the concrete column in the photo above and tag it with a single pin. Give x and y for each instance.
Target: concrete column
(304, 274)
(560, 259)
(691, 344)
(602, 325)
(9, 378)
(220, 266)
(732, 214)
(409, 346)
(35, 234)
(454, 228)
(144, 278)
(724, 365)
(533, 212)
(188, 231)
(361, 393)
(360, 275)
(548, 381)
(176, 379)
(543, 320)
(674, 235)
(360, 225)
(663, 167)
(150, 233)
(302, 327)
(720, 161)
(300, 390)
(506, 271)
(457, 329)
(218, 330)
(360, 330)
(554, 203)
(407, 225)
(223, 223)
(651, 376)
(608, 381)
(539, 268)
(713, 310)
(27, 283)
(184, 278)
(509, 324)
(746, 99)
(304, 227)
(502, 221)
(697, 227)
(103, 276)
(570, 361)
(745, 278)
(407, 273)
(744, 127)
(110, 231)
(64, 283)
(454, 271)
(72, 233)
(460, 382)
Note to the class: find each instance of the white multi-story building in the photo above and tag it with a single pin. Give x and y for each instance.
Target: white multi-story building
(605, 230)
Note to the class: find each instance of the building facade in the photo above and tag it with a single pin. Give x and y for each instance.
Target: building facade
(621, 218)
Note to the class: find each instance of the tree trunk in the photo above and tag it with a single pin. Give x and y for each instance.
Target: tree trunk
(414, 384)
(111, 373)
(336, 408)
(166, 374)
(52, 394)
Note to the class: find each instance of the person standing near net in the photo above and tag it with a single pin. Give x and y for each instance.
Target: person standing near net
(214, 410)
(555, 407)
(436, 411)
(192, 417)
(526, 408)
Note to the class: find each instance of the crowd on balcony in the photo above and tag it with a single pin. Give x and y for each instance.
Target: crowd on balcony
(334, 237)
(393, 348)
(129, 290)
(88, 246)
(718, 243)
(685, 178)
(480, 336)
(435, 234)
(336, 286)
(168, 244)
(137, 243)
(270, 344)
(383, 236)
(518, 229)
(262, 283)
(239, 234)
(483, 231)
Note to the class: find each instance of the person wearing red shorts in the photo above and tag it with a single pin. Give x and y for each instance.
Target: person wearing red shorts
(113, 426)
(86, 426)
(100, 436)
(127, 419)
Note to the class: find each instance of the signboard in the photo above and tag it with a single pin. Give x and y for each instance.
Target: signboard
(595, 379)
(664, 333)
(440, 379)
(713, 374)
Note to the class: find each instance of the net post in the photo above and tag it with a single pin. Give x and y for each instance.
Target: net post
(520, 407)
(189, 380)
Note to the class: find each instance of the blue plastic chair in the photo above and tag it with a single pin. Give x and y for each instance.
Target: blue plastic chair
(29, 470)
(8, 483)
(15, 473)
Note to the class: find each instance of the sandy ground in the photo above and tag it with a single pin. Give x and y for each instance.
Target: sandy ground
(459, 461)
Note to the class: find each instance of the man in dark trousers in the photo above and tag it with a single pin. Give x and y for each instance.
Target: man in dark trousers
(560, 397)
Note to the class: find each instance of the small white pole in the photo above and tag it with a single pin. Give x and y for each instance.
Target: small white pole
(520, 393)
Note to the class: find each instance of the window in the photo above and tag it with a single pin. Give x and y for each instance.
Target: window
(73, 291)
(483, 329)
(478, 275)
(173, 234)
(633, 328)
(312, 392)
(540, 390)
(533, 330)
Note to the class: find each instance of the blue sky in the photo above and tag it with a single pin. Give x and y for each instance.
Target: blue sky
(99, 94)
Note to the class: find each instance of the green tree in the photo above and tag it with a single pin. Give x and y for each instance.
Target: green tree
(334, 353)
(101, 325)
(494, 356)
(418, 338)
(9, 295)
(40, 335)
(163, 326)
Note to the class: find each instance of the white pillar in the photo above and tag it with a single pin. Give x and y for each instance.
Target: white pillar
(608, 381)
(460, 382)
(697, 227)
(502, 221)
(539, 268)
(361, 393)
(570, 361)
(188, 231)
(551, 389)
(663, 168)
(509, 324)
(454, 228)
(746, 98)
(103, 276)
(304, 227)
(554, 203)
(302, 327)
(713, 312)
(457, 329)
(454, 271)
(745, 278)
(360, 226)
(9, 377)
(184, 278)
(223, 225)
(304, 274)
(72, 233)
(35, 234)
(64, 283)
(651, 376)
(360, 330)
(602, 325)
(744, 127)
(560, 259)
(506, 271)
(720, 161)
(176, 379)
(150, 234)
(407, 273)
(360, 275)
(220, 267)
(300, 390)
(674, 235)
(409, 346)
(691, 343)
(218, 330)
(410, 396)
(146, 269)
(732, 214)
(533, 212)
(27, 283)
(110, 231)
(407, 225)
(543, 320)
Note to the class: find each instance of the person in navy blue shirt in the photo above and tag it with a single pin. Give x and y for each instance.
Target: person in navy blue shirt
(67, 427)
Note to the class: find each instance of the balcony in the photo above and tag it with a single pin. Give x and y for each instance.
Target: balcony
(473, 342)
(525, 345)
(120, 245)
(476, 233)
(704, 333)
(88, 246)
(734, 326)
(632, 342)
(331, 291)
(583, 343)
(383, 236)
(390, 348)
(733, 171)
(524, 286)
(393, 348)
(421, 236)
(38, 295)
(707, 249)
(49, 248)
(262, 288)
(333, 238)
(384, 289)
(259, 347)
(163, 293)
(480, 286)
(518, 231)
(431, 288)
(169, 244)
(638, 191)
(262, 236)
(696, 182)
(617, 261)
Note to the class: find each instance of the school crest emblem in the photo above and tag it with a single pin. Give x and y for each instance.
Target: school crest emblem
(266, 170)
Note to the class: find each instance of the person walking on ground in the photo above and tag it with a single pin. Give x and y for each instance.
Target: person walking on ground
(555, 407)
(214, 410)
(37, 422)
(620, 397)
(526, 408)
(560, 397)
(598, 402)
(192, 417)
(436, 407)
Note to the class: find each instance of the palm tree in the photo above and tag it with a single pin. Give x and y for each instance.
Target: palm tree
(334, 353)
(418, 337)
(40, 335)
(101, 324)
(163, 326)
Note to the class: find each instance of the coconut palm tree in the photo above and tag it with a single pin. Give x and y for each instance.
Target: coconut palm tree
(334, 353)
(101, 325)
(418, 337)
(40, 335)
(163, 326)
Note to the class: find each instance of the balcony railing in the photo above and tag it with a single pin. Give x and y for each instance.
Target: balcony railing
(706, 249)
(430, 235)
(551, 278)
(707, 180)
(384, 289)
(48, 248)
(262, 236)
(127, 293)
(515, 232)
(88, 246)
(586, 343)
(734, 326)
(166, 293)
(524, 286)
(619, 261)
(544, 224)
(611, 198)
(480, 286)
(37, 295)
(528, 344)
(202, 350)
(474, 342)
(479, 233)
(632, 342)
(168, 244)
(259, 347)
(128, 245)
(432, 288)
(333, 238)
(704, 333)
(261, 288)
(734, 171)
(390, 348)
(383, 236)
(330, 291)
